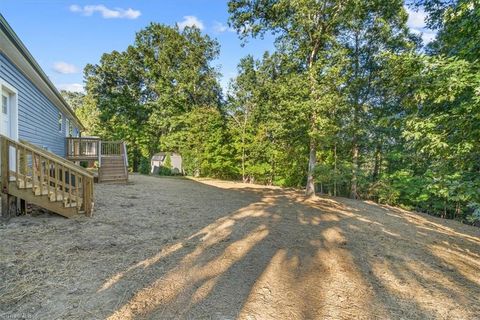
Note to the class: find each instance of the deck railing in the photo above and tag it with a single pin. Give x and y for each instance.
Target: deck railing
(92, 148)
(111, 148)
(83, 148)
(32, 167)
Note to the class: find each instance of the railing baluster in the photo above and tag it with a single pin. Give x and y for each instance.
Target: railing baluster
(34, 170)
(48, 176)
(55, 170)
(77, 183)
(17, 165)
(25, 166)
(70, 184)
(63, 183)
(42, 175)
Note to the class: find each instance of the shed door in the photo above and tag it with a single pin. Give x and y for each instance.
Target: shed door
(5, 115)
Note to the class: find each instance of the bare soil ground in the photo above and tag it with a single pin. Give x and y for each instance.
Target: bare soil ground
(163, 248)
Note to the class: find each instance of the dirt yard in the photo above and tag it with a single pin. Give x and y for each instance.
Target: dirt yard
(164, 248)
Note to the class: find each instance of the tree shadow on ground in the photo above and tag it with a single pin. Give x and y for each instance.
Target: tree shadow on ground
(276, 255)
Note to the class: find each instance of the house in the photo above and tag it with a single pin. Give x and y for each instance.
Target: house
(38, 131)
(32, 109)
(160, 160)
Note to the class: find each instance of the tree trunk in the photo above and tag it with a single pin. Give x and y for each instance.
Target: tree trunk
(243, 157)
(356, 111)
(354, 181)
(335, 170)
(312, 161)
(244, 131)
(376, 166)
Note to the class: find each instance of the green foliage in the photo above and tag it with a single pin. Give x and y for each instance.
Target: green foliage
(401, 188)
(347, 101)
(164, 171)
(201, 139)
(474, 218)
(144, 167)
(74, 99)
(168, 161)
(139, 95)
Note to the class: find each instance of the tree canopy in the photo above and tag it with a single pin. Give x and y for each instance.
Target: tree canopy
(349, 103)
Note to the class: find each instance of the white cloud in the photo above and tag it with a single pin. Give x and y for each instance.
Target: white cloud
(219, 27)
(107, 13)
(426, 34)
(416, 22)
(75, 8)
(64, 67)
(74, 87)
(190, 21)
(416, 19)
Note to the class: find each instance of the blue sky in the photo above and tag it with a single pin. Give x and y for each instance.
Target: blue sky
(64, 36)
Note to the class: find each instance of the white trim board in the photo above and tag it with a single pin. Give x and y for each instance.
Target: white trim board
(14, 107)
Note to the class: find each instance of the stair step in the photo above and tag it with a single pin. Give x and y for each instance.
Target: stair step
(71, 205)
(113, 177)
(60, 196)
(22, 185)
(112, 171)
(38, 192)
(52, 197)
(58, 207)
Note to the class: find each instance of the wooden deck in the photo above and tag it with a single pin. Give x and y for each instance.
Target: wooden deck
(110, 156)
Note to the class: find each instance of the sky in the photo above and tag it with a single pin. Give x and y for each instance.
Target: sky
(64, 36)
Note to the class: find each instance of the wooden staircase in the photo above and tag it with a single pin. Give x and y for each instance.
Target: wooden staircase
(112, 168)
(113, 164)
(44, 179)
(111, 156)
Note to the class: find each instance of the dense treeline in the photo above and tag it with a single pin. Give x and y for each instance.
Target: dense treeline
(350, 103)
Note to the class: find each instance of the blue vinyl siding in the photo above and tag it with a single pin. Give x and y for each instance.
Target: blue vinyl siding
(37, 115)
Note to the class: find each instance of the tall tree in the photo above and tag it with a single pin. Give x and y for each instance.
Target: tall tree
(140, 92)
(376, 28)
(307, 29)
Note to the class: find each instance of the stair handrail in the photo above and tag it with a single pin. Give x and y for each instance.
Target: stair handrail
(54, 157)
(125, 158)
(86, 176)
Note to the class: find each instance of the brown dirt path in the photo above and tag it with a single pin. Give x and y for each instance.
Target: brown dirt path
(163, 248)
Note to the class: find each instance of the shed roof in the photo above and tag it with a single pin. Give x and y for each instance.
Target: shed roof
(160, 156)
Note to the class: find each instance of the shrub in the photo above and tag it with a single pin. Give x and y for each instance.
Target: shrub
(164, 171)
(144, 167)
(474, 217)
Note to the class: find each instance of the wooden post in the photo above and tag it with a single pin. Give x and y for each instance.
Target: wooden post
(23, 207)
(84, 195)
(5, 177)
(87, 196)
